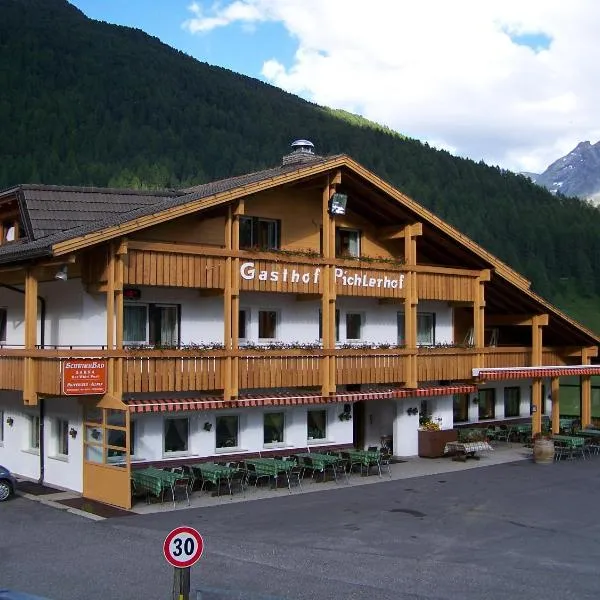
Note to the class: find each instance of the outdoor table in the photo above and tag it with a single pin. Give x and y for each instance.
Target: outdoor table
(464, 450)
(365, 458)
(271, 466)
(156, 481)
(573, 441)
(213, 473)
(592, 433)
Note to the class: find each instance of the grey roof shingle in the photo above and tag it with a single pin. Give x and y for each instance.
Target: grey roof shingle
(58, 213)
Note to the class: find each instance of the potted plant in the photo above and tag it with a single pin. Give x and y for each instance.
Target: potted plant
(432, 438)
(543, 448)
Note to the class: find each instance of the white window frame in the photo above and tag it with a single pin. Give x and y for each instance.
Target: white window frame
(166, 452)
(348, 230)
(277, 324)
(223, 449)
(400, 329)
(33, 433)
(60, 433)
(431, 329)
(146, 308)
(361, 316)
(318, 440)
(278, 443)
(247, 320)
(1, 428)
(3, 324)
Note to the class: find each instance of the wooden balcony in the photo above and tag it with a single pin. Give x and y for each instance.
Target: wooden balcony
(190, 370)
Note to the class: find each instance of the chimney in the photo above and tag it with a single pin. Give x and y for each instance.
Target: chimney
(303, 151)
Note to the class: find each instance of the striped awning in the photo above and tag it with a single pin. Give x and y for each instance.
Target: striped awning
(534, 372)
(292, 399)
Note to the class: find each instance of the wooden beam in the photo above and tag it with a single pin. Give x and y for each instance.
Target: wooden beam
(516, 320)
(210, 292)
(397, 232)
(307, 297)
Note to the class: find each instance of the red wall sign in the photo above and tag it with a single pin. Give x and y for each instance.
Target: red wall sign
(83, 376)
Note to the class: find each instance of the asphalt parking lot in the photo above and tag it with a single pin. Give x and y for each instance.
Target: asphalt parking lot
(516, 530)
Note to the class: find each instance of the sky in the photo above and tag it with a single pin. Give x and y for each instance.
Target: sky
(515, 83)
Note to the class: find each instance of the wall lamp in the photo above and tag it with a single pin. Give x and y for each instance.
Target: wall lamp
(61, 274)
(413, 410)
(73, 432)
(10, 421)
(207, 426)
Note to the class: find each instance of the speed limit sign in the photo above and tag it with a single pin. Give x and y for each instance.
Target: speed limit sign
(183, 547)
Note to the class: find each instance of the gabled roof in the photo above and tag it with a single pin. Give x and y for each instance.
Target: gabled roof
(65, 219)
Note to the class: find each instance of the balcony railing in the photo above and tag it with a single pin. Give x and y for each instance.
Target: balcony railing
(188, 370)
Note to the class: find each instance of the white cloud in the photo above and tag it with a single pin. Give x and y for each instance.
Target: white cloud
(449, 73)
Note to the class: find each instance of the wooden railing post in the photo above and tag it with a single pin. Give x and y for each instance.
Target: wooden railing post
(479, 317)
(411, 300)
(30, 396)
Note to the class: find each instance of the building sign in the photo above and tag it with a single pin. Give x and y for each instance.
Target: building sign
(83, 376)
(345, 277)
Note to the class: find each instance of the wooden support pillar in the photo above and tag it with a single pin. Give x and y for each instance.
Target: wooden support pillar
(227, 308)
(110, 318)
(411, 300)
(235, 299)
(586, 388)
(30, 396)
(555, 383)
(479, 317)
(328, 297)
(119, 319)
(537, 322)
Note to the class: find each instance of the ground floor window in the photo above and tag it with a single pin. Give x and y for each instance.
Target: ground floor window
(34, 432)
(487, 404)
(512, 401)
(316, 424)
(227, 431)
(1, 426)
(177, 433)
(61, 437)
(273, 427)
(460, 408)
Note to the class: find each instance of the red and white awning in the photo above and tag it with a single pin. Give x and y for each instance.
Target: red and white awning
(506, 373)
(292, 399)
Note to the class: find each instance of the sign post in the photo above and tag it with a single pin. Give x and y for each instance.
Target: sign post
(182, 548)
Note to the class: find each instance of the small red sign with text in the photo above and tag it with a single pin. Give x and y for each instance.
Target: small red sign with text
(83, 376)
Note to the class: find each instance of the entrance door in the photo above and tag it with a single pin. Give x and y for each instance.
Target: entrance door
(358, 424)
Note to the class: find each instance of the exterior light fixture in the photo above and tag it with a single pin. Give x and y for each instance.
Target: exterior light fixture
(337, 204)
(61, 274)
(73, 432)
(413, 410)
(10, 421)
(207, 426)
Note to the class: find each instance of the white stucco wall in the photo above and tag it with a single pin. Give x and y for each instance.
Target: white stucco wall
(16, 454)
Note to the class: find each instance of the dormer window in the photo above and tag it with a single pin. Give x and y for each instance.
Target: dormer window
(9, 231)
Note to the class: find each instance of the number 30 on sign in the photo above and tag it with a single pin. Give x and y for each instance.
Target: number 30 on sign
(183, 547)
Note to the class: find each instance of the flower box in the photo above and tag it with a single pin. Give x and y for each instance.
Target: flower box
(432, 443)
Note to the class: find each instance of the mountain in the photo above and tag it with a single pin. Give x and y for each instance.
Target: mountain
(575, 174)
(83, 102)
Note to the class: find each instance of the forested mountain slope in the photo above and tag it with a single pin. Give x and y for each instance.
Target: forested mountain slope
(84, 102)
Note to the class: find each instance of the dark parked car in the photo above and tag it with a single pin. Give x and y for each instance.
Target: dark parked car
(7, 484)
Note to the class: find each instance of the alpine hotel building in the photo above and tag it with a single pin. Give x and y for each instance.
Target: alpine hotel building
(310, 305)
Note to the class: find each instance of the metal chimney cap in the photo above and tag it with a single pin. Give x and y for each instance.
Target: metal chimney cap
(303, 146)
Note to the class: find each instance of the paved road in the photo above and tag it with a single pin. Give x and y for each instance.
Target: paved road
(517, 530)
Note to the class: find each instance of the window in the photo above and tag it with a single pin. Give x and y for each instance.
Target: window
(132, 428)
(154, 324)
(34, 432)
(61, 437)
(227, 431)
(337, 325)
(267, 324)
(176, 435)
(487, 404)
(243, 323)
(1, 427)
(354, 323)
(259, 233)
(460, 408)
(316, 424)
(347, 242)
(273, 427)
(3, 319)
(425, 329)
(512, 401)
(400, 328)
